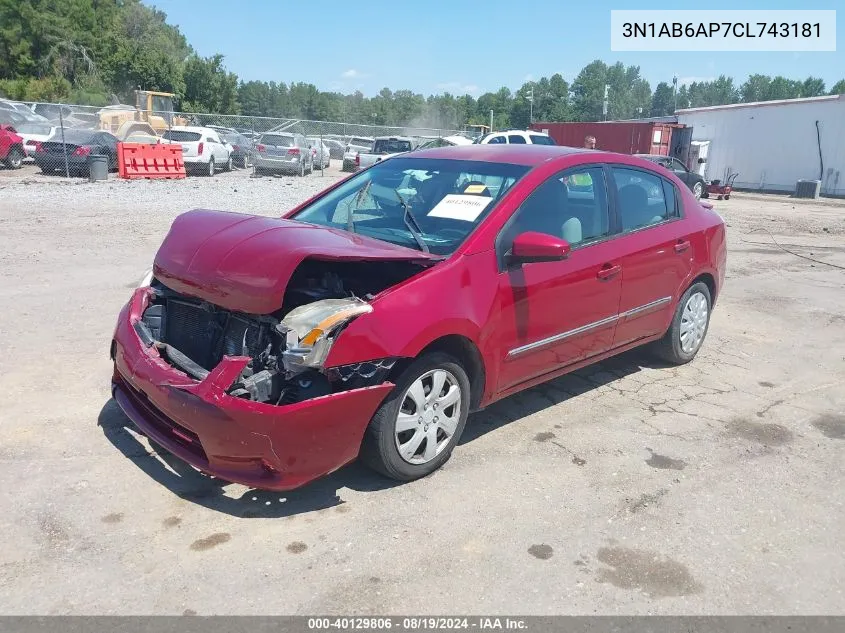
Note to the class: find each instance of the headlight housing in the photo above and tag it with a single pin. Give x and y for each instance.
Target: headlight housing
(310, 330)
(147, 279)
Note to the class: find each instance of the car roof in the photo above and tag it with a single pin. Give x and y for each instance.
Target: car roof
(529, 155)
(393, 138)
(193, 128)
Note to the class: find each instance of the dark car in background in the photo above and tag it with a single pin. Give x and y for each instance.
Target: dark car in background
(336, 148)
(242, 148)
(691, 179)
(77, 145)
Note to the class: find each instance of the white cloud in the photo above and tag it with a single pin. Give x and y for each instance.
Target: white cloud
(352, 73)
(458, 88)
(528, 77)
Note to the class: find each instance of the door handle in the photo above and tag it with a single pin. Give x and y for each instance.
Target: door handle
(681, 246)
(608, 270)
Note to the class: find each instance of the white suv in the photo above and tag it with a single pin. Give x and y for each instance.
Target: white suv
(202, 148)
(513, 137)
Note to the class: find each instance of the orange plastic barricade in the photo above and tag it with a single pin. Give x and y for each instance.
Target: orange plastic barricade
(143, 160)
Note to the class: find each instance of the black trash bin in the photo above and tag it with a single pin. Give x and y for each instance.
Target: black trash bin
(98, 167)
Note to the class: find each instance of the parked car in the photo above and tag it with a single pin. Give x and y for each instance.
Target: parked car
(11, 147)
(372, 318)
(336, 148)
(384, 147)
(202, 148)
(34, 133)
(242, 148)
(77, 145)
(284, 152)
(354, 146)
(320, 153)
(514, 137)
(691, 179)
(445, 141)
(8, 116)
(62, 115)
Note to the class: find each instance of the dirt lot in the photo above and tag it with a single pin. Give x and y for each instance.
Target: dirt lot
(717, 487)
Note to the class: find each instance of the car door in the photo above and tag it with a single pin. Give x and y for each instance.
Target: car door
(553, 314)
(654, 250)
(680, 170)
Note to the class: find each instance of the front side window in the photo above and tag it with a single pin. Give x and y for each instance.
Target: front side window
(517, 139)
(641, 198)
(571, 206)
(445, 201)
(496, 140)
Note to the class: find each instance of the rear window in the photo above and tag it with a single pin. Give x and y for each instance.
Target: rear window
(277, 140)
(360, 142)
(541, 139)
(34, 128)
(391, 146)
(181, 137)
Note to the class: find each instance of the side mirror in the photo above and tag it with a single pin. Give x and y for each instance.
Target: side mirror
(532, 246)
(702, 160)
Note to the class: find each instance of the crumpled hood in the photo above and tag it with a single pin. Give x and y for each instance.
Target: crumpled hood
(243, 262)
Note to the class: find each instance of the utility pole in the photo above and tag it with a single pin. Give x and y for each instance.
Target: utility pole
(530, 98)
(604, 103)
(675, 91)
(491, 120)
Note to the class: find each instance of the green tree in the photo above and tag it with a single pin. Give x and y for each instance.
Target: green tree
(588, 92)
(812, 87)
(838, 88)
(209, 87)
(663, 100)
(755, 88)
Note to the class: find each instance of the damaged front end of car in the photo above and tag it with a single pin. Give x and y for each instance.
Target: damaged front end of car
(285, 350)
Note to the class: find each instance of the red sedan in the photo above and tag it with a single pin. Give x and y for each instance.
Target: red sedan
(374, 317)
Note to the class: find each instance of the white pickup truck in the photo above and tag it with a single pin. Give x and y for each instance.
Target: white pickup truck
(384, 147)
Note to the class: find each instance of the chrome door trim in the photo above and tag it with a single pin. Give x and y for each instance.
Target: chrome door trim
(645, 307)
(586, 328)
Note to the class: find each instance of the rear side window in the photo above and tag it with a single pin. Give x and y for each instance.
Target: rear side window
(517, 139)
(496, 140)
(181, 137)
(541, 139)
(277, 140)
(641, 198)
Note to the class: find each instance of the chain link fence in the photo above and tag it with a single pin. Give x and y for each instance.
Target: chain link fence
(60, 138)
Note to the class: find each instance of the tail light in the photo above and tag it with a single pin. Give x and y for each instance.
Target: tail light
(39, 147)
(293, 151)
(236, 148)
(357, 160)
(199, 148)
(260, 148)
(82, 150)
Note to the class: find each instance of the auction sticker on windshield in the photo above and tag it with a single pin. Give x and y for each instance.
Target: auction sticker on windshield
(460, 207)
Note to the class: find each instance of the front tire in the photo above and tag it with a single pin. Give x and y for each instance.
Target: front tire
(689, 326)
(230, 164)
(697, 190)
(15, 159)
(416, 428)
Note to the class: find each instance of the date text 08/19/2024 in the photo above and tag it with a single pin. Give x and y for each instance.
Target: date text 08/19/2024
(423, 623)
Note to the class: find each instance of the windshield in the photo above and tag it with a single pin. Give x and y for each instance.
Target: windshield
(34, 128)
(181, 137)
(446, 198)
(391, 146)
(277, 140)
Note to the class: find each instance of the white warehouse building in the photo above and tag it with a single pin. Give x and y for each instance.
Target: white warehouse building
(771, 145)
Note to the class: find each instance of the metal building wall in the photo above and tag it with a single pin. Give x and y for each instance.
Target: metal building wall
(773, 145)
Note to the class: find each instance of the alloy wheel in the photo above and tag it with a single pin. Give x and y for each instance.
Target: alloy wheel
(428, 416)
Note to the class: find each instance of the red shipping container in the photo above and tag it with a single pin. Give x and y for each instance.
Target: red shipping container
(624, 137)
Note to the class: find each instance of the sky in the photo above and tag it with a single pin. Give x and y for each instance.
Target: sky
(459, 46)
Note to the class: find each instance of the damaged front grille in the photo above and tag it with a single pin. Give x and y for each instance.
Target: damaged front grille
(204, 333)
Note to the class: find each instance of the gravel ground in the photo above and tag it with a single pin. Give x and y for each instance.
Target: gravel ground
(627, 488)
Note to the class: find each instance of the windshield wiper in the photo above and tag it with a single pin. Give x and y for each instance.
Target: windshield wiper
(411, 222)
(350, 212)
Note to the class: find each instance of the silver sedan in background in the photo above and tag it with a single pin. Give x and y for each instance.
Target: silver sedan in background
(321, 153)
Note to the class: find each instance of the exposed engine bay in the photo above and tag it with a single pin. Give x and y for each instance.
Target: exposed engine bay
(286, 349)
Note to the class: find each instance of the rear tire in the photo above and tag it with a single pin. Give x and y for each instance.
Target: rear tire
(302, 169)
(230, 164)
(380, 448)
(688, 330)
(211, 167)
(245, 162)
(15, 159)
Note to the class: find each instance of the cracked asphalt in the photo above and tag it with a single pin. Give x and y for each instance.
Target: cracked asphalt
(628, 487)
